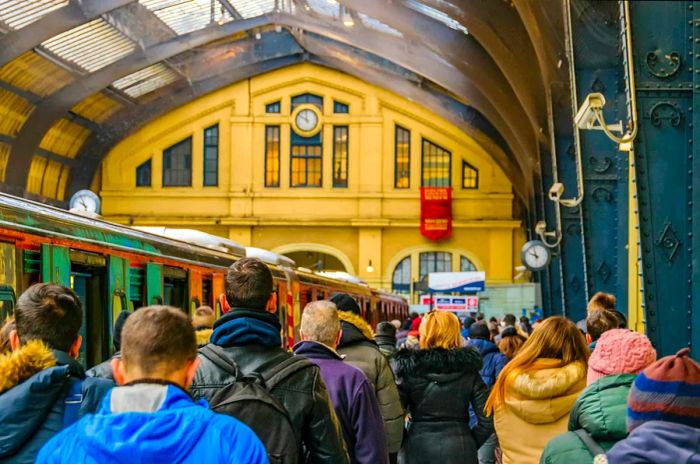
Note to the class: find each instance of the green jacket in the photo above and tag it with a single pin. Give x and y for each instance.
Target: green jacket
(601, 410)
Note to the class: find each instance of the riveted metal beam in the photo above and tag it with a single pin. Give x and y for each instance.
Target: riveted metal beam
(14, 43)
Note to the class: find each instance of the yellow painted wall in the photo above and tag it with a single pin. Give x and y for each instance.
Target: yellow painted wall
(368, 220)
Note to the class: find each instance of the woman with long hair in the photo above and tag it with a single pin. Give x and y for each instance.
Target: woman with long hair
(437, 384)
(511, 342)
(535, 392)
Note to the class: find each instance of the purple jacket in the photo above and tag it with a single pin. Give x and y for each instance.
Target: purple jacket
(656, 441)
(354, 402)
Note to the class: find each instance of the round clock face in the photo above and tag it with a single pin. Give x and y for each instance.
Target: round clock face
(535, 255)
(306, 120)
(85, 200)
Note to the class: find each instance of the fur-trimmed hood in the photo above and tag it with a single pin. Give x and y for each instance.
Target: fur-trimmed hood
(421, 363)
(364, 331)
(203, 336)
(18, 366)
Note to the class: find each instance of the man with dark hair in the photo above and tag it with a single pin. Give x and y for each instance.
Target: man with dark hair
(599, 322)
(361, 350)
(42, 386)
(150, 417)
(249, 334)
(509, 320)
(385, 337)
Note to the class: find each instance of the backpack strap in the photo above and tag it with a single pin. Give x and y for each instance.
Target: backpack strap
(72, 402)
(594, 448)
(217, 355)
(286, 368)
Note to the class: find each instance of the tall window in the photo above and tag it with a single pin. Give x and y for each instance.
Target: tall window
(272, 107)
(306, 161)
(470, 176)
(340, 108)
(465, 264)
(307, 98)
(143, 174)
(402, 158)
(434, 261)
(401, 280)
(211, 156)
(437, 164)
(340, 156)
(177, 164)
(272, 156)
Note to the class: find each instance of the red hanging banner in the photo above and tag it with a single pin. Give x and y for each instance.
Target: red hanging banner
(436, 212)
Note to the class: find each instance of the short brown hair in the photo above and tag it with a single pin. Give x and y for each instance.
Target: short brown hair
(601, 321)
(204, 317)
(248, 284)
(158, 338)
(601, 302)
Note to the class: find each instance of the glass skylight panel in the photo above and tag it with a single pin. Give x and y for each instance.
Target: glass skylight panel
(436, 14)
(146, 80)
(91, 46)
(19, 13)
(325, 7)
(253, 8)
(183, 16)
(378, 25)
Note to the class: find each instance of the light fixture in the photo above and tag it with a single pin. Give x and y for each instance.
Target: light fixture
(257, 36)
(346, 17)
(370, 268)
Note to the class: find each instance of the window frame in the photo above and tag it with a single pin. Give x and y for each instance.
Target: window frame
(347, 156)
(268, 128)
(204, 157)
(307, 158)
(270, 105)
(306, 96)
(425, 141)
(342, 106)
(398, 128)
(148, 163)
(435, 260)
(170, 149)
(466, 165)
(407, 291)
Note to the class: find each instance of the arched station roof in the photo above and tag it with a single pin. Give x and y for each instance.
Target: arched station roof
(77, 76)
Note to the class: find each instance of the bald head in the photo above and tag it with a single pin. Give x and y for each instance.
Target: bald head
(320, 323)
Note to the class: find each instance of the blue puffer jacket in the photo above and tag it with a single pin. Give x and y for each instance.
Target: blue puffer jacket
(656, 441)
(32, 408)
(494, 360)
(149, 423)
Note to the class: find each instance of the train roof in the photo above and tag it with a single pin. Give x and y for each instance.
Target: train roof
(269, 257)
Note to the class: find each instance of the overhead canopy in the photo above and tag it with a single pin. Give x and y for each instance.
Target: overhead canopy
(77, 76)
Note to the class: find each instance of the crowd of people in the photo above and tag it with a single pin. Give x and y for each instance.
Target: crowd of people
(433, 388)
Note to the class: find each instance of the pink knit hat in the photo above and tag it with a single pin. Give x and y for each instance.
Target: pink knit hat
(620, 351)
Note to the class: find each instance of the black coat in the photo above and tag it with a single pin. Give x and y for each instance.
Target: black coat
(437, 386)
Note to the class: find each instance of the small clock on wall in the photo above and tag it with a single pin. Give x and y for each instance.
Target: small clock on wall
(535, 255)
(85, 201)
(306, 120)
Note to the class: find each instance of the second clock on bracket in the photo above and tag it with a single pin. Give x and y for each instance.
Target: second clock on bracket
(306, 120)
(535, 255)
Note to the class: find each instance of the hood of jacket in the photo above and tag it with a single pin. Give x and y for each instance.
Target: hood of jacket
(546, 392)
(601, 409)
(315, 350)
(484, 346)
(657, 441)
(203, 336)
(143, 423)
(385, 340)
(436, 362)
(241, 327)
(355, 329)
(31, 384)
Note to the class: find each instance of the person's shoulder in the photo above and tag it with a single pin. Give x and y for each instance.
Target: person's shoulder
(239, 437)
(56, 447)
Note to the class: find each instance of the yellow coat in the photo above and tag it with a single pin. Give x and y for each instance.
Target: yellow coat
(536, 408)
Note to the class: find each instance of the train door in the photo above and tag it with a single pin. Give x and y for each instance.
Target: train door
(88, 280)
(118, 290)
(217, 288)
(175, 287)
(55, 264)
(154, 284)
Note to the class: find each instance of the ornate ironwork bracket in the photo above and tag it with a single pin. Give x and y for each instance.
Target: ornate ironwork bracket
(663, 66)
(669, 241)
(665, 111)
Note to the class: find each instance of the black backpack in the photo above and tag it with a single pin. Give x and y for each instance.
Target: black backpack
(249, 400)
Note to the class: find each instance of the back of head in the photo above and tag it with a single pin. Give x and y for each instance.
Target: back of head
(511, 343)
(396, 323)
(599, 322)
(320, 323)
(509, 320)
(621, 319)
(50, 313)
(248, 284)
(556, 338)
(479, 317)
(602, 301)
(479, 330)
(620, 351)
(118, 327)
(347, 303)
(468, 321)
(440, 329)
(157, 340)
(386, 329)
(668, 390)
(204, 318)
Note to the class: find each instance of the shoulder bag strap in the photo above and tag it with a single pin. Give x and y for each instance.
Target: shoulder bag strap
(594, 448)
(281, 371)
(219, 357)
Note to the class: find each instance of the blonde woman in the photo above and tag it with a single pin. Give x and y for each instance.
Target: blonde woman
(437, 384)
(535, 392)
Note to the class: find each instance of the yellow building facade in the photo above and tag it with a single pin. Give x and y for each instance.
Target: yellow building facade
(236, 163)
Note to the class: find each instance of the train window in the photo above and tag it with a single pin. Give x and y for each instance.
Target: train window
(7, 302)
(207, 298)
(136, 287)
(175, 287)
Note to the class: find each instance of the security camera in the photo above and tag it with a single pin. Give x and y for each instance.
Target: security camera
(586, 116)
(540, 227)
(556, 191)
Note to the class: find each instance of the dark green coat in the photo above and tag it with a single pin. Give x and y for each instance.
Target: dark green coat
(601, 410)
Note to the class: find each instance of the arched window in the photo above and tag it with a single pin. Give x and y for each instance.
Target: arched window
(434, 261)
(465, 265)
(401, 280)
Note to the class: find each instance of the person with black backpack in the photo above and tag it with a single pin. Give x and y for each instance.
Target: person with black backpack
(245, 373)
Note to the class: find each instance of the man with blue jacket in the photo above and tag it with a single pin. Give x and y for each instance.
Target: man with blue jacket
(42, 386)
(150, 417)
